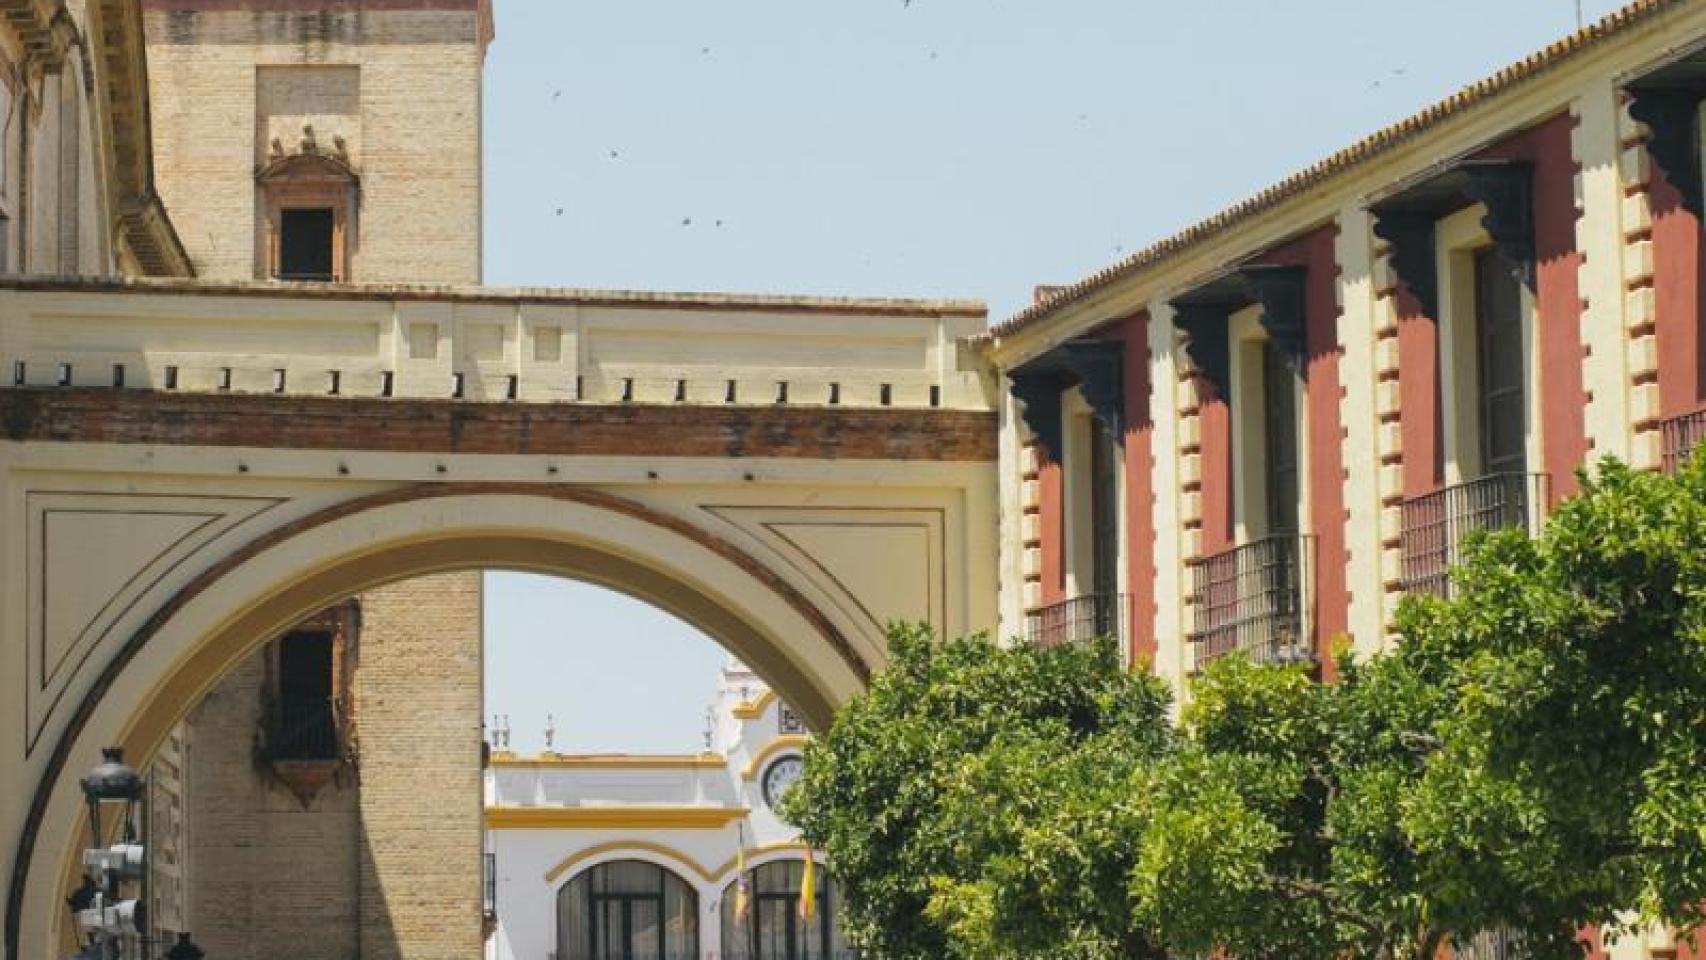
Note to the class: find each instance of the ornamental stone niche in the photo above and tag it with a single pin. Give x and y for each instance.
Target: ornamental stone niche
(310, 200)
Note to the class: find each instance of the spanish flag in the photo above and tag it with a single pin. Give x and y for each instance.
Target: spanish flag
(808, 889)
(743, 882)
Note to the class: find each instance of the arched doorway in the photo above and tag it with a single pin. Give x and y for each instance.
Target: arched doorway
(260, 590)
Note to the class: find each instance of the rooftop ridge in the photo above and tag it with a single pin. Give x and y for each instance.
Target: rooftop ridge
(463, 293)
(1382, 140)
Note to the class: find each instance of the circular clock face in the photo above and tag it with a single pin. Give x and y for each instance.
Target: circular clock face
(779, 776)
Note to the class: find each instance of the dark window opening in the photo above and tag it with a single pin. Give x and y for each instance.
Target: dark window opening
(627, 910)
(1279, 406)
(773, 928)
(305, 244)
(307, 718)
(1500, 402)
(1104, 513)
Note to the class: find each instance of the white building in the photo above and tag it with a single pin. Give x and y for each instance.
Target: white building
(637, 856)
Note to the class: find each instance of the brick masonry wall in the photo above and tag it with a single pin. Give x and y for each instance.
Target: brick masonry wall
(417, 717)
(439, 426)
(218, 95)
(267, 878)
(384, 863)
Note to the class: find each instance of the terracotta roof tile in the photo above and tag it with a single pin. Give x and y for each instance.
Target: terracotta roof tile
(1526, 69)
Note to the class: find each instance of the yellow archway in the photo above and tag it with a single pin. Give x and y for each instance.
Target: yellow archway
(264, 587)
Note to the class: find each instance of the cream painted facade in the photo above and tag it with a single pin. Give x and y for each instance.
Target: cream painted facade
(552, 818)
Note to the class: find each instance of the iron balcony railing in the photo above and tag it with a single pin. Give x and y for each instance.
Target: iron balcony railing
(1680, 436)
(1081, 620)
(307, 729)
(491, 885)
(1435, 527)
(1252, 599)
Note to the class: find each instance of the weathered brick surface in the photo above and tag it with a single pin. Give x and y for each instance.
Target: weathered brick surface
(442, 426)
(418, 706)
(219, 93)
(384, 863)
(268, 879)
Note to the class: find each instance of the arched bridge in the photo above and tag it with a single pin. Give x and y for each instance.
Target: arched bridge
(186, 469)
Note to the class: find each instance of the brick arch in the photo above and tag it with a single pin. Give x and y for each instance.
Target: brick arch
(262, 587)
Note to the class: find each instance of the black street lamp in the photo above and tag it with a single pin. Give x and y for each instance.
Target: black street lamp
(112, 786)
(112, 791)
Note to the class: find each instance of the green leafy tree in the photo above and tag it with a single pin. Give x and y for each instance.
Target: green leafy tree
(1531, 757)
(977, 802)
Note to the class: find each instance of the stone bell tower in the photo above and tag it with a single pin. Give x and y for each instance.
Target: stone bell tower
(321, 140)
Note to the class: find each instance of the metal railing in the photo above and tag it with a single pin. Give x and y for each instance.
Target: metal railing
(307, 729)
(1490, 945)
(490, 899)
(1251, 599)
(1081, 620)
(1435, 527)
(1680, 435)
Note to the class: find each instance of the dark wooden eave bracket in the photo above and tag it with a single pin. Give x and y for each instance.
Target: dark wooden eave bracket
(1408, 222)
(1671, 114)
(1204, 314)
(1095, 367)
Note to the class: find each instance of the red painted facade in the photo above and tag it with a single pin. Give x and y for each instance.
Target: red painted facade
(1214, 421)
(1051, 497)
(1557, 299)
(1139, 489)
(1419, 398)
(1677, 268)
(1325, 432)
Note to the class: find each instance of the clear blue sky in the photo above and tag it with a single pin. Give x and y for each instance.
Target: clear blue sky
(967, 148)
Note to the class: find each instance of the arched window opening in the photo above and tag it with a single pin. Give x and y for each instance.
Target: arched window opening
(773, 928)
(627, 910)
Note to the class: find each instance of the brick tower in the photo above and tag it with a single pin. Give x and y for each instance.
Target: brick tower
(321, 139)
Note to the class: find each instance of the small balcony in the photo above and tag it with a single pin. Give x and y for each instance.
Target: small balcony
(1081, 620)
(307, 729)
(1251, 599)
(1680, 435)
(1436, 526)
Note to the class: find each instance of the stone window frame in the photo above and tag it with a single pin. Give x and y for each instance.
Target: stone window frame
(307, 181)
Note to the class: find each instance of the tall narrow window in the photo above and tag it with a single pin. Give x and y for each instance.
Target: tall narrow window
(1501, 405)
(1279, 410)
(306, 726)
(306, 239)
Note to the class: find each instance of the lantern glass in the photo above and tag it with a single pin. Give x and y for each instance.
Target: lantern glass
(115, 787)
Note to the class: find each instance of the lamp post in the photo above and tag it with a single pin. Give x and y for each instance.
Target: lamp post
(112, 791)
